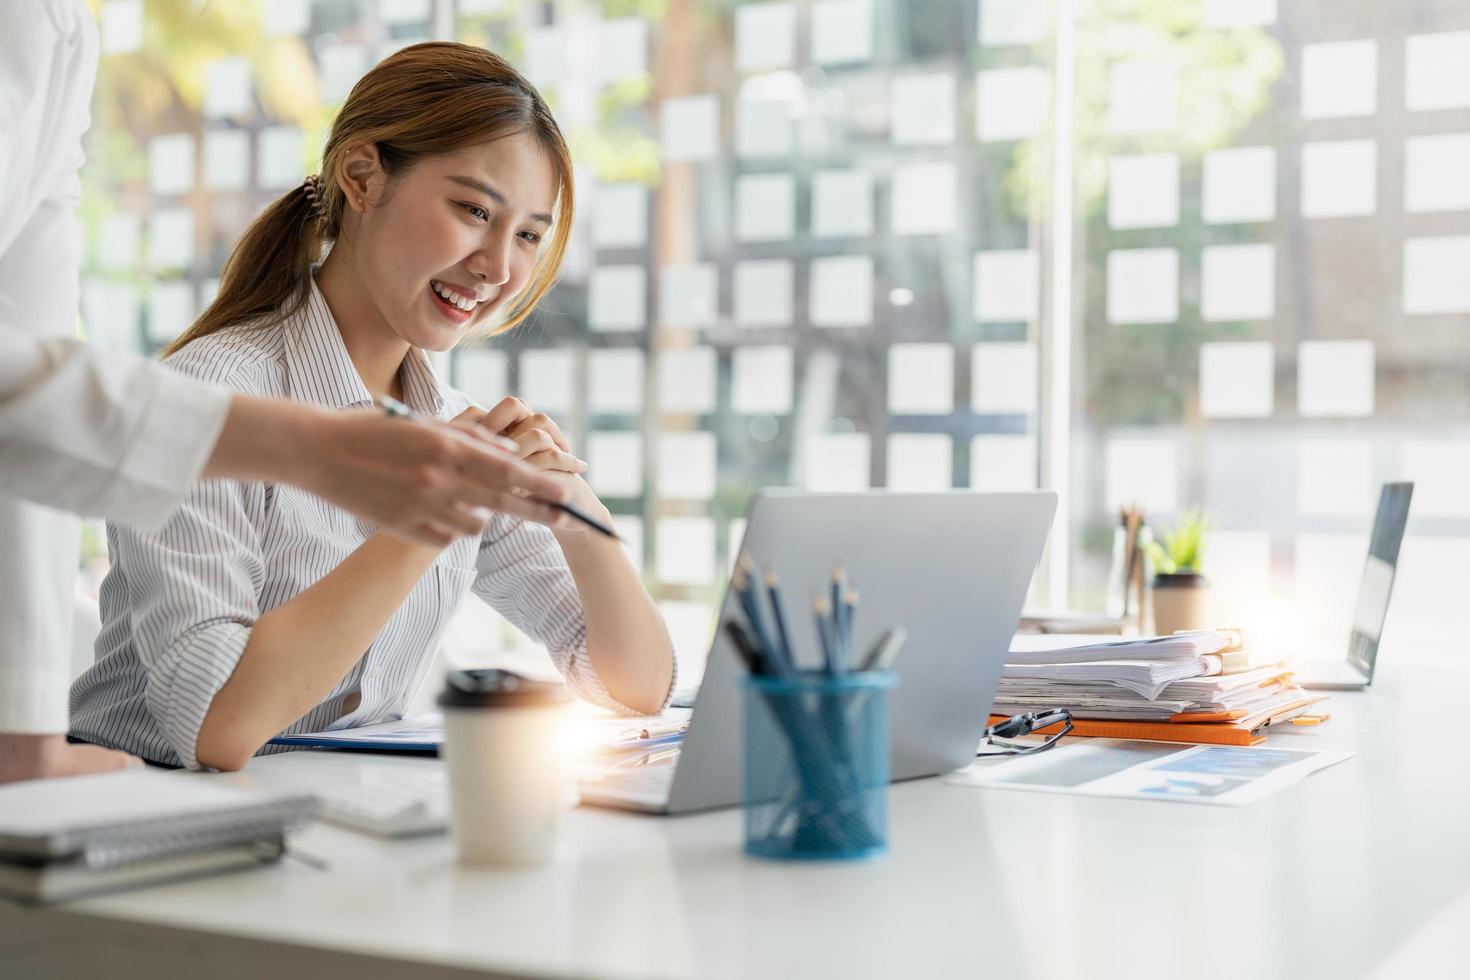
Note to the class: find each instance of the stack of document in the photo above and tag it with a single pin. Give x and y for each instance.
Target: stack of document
(1196, 687)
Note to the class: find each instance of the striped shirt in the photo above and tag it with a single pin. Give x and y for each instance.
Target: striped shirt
(178, 605)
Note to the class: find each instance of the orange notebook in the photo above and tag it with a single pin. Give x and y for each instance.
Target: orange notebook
(1222, 733)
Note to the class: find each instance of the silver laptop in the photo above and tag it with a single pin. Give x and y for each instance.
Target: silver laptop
(1374, 591)
(951, 568)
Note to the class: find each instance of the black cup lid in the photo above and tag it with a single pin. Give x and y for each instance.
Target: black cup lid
(494, 688)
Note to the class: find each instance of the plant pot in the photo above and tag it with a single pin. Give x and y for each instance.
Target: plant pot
(1180, 601)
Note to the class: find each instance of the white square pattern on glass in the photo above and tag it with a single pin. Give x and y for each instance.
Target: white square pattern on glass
(1435, 276)
(842, 291)
(842, 204)
(1143, 97)
(1239, 13)
(1339, 179)
(765, 36)
(171, 238)
(1437, 71)
(690, 128)
(763, 128)
(924, 199)
(623, 53)
(121, 26)
(171, 308)
(484, 375)
(684, 550)
(841, 31)
(171, 164)
(1006, 286)
(1334, 477)
(279, 166)
(282, 18)
(110, 314)
(921, 379)
(922, 109)
(227, 91)
(761, 380)
(339, 68)
(1005, 22)
(547, 381)
(1142, 470)
(1003, 463)
(688, 295)
(920, 462)
(765, 207)
(1003, 378)
(615, 381)
(686, 465)
(617, 298)
(1237, 380)
(226, 160)
(1238, 282)
(118, 238)
(620, 216)
(1143, 191)
(615, 464)
(1335, 378)
(545, 58)
(686, 379)
(837, 462)
(1440, 469)
(764, 291)
(1339, 79)
(1240, 185)
(1143, 285)
(1011, 104)
(1435, 172)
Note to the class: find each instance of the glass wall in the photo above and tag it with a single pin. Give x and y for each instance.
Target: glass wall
(1200, 253)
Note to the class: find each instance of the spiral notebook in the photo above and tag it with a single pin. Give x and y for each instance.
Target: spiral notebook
(60, 838)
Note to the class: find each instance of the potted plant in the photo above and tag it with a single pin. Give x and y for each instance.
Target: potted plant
(1180, 590)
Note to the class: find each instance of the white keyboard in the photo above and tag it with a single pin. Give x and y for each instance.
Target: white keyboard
(385, 809)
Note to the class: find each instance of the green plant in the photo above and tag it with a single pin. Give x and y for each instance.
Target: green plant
(1183, 545)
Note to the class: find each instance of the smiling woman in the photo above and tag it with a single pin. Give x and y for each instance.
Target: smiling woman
(443, 209)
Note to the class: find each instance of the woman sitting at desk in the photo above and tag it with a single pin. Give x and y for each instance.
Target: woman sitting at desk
(446, 201)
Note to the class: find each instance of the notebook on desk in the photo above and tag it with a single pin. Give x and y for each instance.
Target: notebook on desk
(60, 838)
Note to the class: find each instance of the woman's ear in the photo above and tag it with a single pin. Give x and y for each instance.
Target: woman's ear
(360, 175)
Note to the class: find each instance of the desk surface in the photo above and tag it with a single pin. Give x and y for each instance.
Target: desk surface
(1364, 867)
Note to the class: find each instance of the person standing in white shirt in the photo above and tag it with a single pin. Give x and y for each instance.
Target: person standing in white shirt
(125, 438)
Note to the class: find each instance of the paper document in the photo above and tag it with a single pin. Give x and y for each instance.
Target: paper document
(1222, 775)
(1059, 649)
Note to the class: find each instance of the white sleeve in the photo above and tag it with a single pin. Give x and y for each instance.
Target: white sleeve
(107, 435)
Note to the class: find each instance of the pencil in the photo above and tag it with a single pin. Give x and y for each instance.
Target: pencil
(782, 637)
(824, 632)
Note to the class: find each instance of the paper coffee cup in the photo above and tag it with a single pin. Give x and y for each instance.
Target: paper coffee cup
(507, 785)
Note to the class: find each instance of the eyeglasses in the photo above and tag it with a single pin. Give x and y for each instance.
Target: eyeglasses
(1018, 725)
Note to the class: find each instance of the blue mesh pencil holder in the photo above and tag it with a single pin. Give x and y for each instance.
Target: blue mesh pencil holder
(816, 765)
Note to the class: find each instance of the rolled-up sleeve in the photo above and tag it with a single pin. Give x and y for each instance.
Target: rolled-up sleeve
(522, 573)
(114, 436)
(193, 595)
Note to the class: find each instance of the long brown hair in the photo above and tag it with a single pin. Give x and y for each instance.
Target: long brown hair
(426, 99)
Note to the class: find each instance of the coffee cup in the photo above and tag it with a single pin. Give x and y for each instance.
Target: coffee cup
(507, 785)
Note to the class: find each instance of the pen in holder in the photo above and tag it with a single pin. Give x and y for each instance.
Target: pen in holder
(816, 765)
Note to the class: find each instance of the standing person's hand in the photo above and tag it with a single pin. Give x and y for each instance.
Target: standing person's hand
(425, 480)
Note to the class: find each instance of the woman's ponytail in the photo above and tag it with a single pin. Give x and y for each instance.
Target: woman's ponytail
(268, 274)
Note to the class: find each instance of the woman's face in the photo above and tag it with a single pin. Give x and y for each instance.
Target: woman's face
(455, 238)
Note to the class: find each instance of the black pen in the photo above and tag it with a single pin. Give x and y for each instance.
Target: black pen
(394, 408)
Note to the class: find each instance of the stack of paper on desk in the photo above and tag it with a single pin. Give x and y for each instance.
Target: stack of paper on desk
(1172, 688)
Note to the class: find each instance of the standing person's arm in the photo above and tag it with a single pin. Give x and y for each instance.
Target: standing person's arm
(125, 438)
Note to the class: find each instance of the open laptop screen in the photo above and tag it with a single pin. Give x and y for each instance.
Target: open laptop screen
(1378, 573)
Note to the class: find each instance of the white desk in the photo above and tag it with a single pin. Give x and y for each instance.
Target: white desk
(1363, 868)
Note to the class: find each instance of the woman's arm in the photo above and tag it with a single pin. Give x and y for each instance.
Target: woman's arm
(627, 642)
(300, 650)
